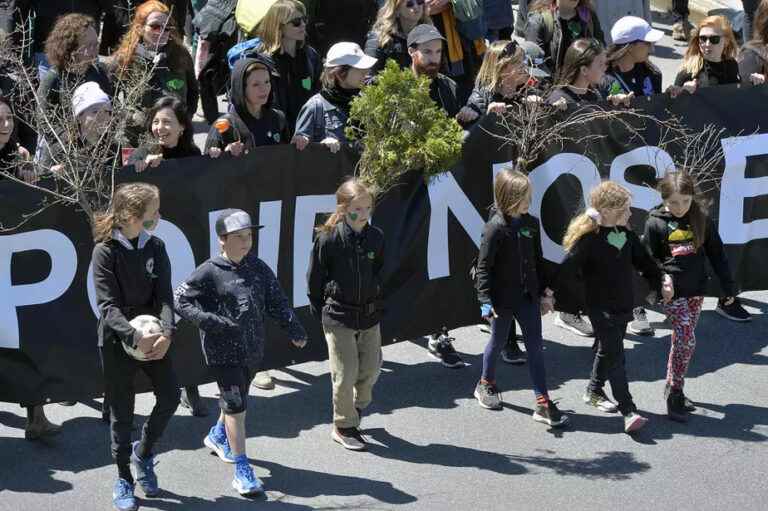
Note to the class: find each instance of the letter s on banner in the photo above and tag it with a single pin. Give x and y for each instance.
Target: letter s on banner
(735, 187)
(63, 268)
(179, 252)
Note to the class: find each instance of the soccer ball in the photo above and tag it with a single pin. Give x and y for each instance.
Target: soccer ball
(145, 325)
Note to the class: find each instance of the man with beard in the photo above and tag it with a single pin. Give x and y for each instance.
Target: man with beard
(425, 46)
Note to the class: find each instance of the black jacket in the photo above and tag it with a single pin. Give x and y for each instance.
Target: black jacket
(180, 151)
(545, 29)
(334, 21)
(608, 272)
(395, 49)
(228, 303)
(54, 84)
(713, 73)
(344, 277)
(510, 264)
(442, 90)
(129, 282)
(670, 241)
(298, 80)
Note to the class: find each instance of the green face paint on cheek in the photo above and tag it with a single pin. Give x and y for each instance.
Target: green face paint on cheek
(353, 217)
(149, 225)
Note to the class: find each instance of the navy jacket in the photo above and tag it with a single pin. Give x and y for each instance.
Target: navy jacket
(228, 302)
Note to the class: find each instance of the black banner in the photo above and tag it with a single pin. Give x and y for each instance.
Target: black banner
(47, 313)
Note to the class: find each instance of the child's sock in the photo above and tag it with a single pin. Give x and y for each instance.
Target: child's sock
(542, 399)
(486, 382)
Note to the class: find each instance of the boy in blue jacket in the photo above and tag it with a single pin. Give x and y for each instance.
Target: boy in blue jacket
(226, 297)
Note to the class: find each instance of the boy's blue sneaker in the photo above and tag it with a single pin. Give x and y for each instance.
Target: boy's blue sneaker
(245, 481)
(219, 445)
(122, 496)
(145, 473)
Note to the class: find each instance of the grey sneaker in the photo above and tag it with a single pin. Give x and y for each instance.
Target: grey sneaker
(640, 325)
(550, 415)
(488, 396)
(633, 421)
(599, 401)
(579, 325)
(263, 380)
(349, 438)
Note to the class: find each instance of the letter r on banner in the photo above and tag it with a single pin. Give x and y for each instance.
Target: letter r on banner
(63, 268)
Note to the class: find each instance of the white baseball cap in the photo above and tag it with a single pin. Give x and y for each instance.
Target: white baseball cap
(348, 54)
(631, 28)
(87, 95)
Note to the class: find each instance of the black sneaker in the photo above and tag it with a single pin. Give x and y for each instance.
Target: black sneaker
(440, 346)
(349, 438)
(688, 404)
(675, 404)
(488, 396)
(640, 325)
(734, 311)
(512, 354)
(575, 323)
(550, 415)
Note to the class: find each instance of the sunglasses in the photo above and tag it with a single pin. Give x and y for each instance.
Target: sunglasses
(297, 22)
(714, 39)
(413, 3)
(509, 50)
(158, 27)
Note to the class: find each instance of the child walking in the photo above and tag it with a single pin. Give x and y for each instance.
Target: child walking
(344, 285)
(132, 276)
(680, 234)
(226, 297)
(606, 254)
(512, 285)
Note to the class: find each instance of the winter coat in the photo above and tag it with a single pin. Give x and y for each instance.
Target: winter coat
(670, 240)
(298, 80)
(712, 73)
(498, 14)
(753, 58)
(216, 19)
(130, 281)
(319, 118)
(344, 280)
(510, 265)
(228, 302)
(395, 49)
(55, 83)
(442, 90)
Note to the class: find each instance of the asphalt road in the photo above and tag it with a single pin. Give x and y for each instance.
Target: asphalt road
(434, 448)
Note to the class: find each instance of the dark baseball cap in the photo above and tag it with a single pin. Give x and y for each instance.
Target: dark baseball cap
(423, 34)
(232, 220)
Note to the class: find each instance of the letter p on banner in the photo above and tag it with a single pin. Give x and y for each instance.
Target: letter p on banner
(63, 268)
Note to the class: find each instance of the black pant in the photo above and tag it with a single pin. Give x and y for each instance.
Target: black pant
(680, 8)
(119, 373)
(609, 359)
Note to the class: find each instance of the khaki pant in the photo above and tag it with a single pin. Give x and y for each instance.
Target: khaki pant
(355, 360)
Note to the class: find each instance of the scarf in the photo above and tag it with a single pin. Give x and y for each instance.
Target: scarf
(455, 51)
(339, 97)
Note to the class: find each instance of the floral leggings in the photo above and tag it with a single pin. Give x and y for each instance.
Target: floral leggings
(684, 314)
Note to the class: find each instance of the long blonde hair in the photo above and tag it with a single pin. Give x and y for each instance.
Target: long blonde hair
(693, 61)
(270, 29)
(510, 188)
(350, 189)
(129, 201)
(386, 24)
(606, 195)
(494, 62)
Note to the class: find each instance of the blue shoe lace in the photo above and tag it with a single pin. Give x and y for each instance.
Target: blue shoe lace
(244, 473)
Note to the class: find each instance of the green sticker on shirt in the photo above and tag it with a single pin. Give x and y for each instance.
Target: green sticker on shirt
(371, 255)
(307, 83)
(525, 232)
(617, 239)
(175, 84)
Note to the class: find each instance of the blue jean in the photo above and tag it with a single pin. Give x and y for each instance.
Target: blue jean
(528, 316)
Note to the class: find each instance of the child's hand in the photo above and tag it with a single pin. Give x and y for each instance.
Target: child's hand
(547, 305)
(147, 342)
(486, 310)
(235, 148)
(299, 343)
(159, 349)
(667, 289)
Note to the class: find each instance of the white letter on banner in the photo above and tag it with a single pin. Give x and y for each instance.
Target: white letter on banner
(445, 194)
(179, 252)
(643, 197)
(269, 235)
(307, 208)
(63, 268)
(735, 187)
(542, 178)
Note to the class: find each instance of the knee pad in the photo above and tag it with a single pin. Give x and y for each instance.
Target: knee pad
(231, 401)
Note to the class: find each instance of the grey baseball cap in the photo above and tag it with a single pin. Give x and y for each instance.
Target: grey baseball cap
(232, 220)
(423, 34)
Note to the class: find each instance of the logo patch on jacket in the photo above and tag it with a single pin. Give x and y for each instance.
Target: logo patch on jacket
(371, 256)
(150, 266)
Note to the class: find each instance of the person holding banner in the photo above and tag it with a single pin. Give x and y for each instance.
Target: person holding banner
(513, 285)
(582, 73)
(629, 69)
(606, 255)
(132, 277)
(753, 58)
(710, 58)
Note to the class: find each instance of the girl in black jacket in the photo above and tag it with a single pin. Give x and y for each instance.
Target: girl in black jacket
(132, 276)
(345, 293)
(607, 255)
(681, 235)
(512, 284)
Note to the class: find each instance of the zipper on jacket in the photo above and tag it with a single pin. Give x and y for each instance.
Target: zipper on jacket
(358, 249)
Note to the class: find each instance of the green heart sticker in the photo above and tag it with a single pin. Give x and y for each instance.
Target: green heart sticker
(617, 239)
(175, 84)
(307, 83)
(525, 232)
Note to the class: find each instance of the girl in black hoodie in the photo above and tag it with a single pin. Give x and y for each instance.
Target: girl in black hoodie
(679, 233)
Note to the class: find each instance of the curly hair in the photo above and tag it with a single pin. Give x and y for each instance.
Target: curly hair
(64, 39)
(387, 25)
(178, 56)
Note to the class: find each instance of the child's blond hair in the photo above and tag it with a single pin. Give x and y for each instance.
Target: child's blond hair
(606, 195)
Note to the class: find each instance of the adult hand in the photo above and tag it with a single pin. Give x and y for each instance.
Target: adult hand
(153, 160)
(533, 99)
(674, 91)
(547, 305)
(466, 114)
(497, 108)
(728, 300)
(235, 148)
(331, 143)
(690, 87)
(299, 343)
(140, 166)
(757, 78)
(147, 342)
(23, 153)
(214, 152)
(621, 99)
(300, 141)
(57, 169)
(436, 6)
(159, 349)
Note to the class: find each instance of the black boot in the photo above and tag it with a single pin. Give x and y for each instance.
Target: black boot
(688, 404)
(675, 404)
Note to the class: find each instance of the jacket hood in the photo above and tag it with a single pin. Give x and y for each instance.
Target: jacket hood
(224, 263)
(661, 212)
(237, 84)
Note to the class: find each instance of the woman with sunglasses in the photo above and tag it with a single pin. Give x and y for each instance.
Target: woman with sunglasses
(153, 42)
(710, 58)
(283, 32)
(753, 59)
(388, 37)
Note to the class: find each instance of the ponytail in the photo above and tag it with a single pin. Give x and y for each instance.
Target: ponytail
(579, 227)
(103, 225)
(129, 201)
